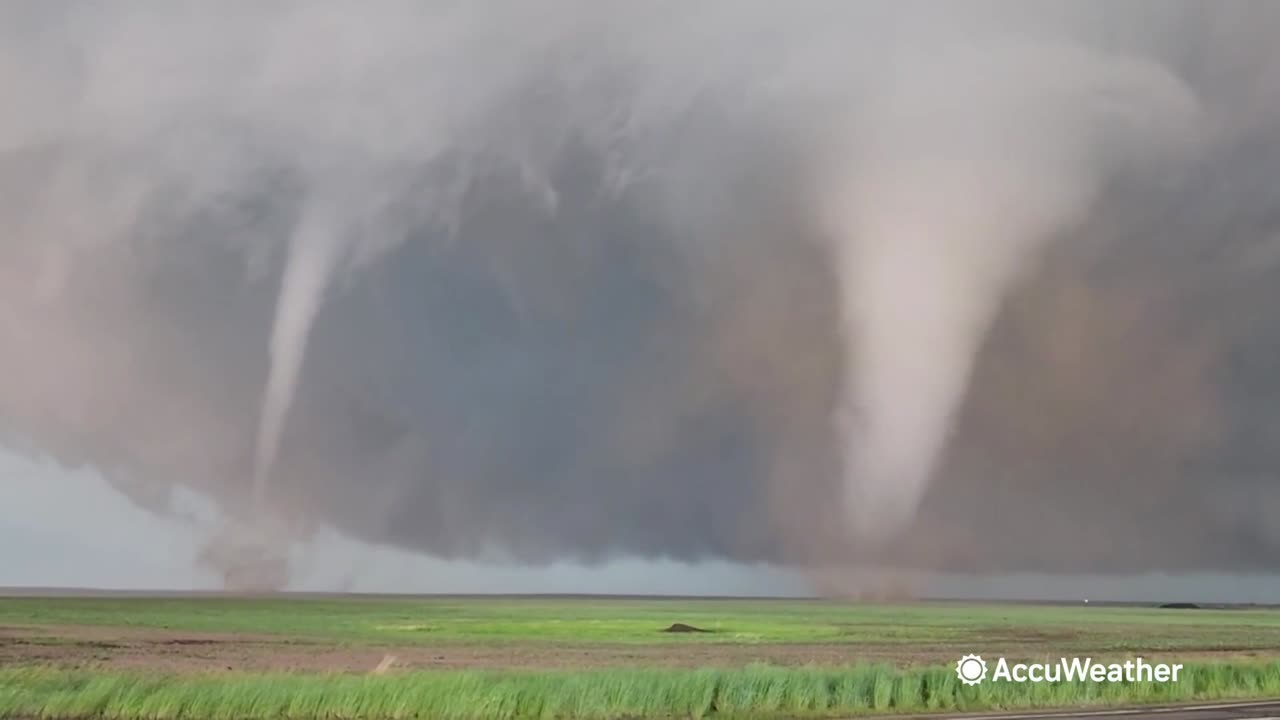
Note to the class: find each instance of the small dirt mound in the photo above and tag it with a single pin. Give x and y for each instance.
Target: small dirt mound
(682, 628)
(1180, 606)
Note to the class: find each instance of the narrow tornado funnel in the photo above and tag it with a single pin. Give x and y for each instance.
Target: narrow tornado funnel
(313, 253)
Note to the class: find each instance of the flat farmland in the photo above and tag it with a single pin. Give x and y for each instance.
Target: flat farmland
(545, 656)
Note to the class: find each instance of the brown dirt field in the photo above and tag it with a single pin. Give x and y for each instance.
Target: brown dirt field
(187, 652)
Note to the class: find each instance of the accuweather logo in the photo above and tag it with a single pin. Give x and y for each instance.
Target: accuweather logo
(972, 670)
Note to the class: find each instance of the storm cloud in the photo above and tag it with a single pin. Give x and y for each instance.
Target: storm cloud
(967, 286)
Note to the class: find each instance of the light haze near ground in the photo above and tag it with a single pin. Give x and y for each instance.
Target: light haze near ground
(107, 542)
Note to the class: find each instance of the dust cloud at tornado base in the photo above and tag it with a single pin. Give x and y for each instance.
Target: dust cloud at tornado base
(972, 286)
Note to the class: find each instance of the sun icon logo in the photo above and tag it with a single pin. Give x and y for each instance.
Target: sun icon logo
(971, 669)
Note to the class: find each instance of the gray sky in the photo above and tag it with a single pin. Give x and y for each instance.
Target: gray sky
(104, 541)
(979, 287)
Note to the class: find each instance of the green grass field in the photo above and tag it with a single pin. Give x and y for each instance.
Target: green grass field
(752, 692)
(206, 658)
(505, 620)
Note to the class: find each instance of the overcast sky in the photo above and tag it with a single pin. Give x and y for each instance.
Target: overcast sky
(71, 529)
(61, 528)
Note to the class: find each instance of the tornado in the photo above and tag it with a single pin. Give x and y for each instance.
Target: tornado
(313, 253)
(934, 226)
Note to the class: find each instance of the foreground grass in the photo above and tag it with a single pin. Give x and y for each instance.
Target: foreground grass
(752, 692)
(410, 621)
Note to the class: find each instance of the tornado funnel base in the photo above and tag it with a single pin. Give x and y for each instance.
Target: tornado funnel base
(249, 559)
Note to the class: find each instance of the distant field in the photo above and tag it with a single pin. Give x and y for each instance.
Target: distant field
(904, 628)
(176, 657)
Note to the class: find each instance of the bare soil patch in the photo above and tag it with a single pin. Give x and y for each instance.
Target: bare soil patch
(138, 649)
